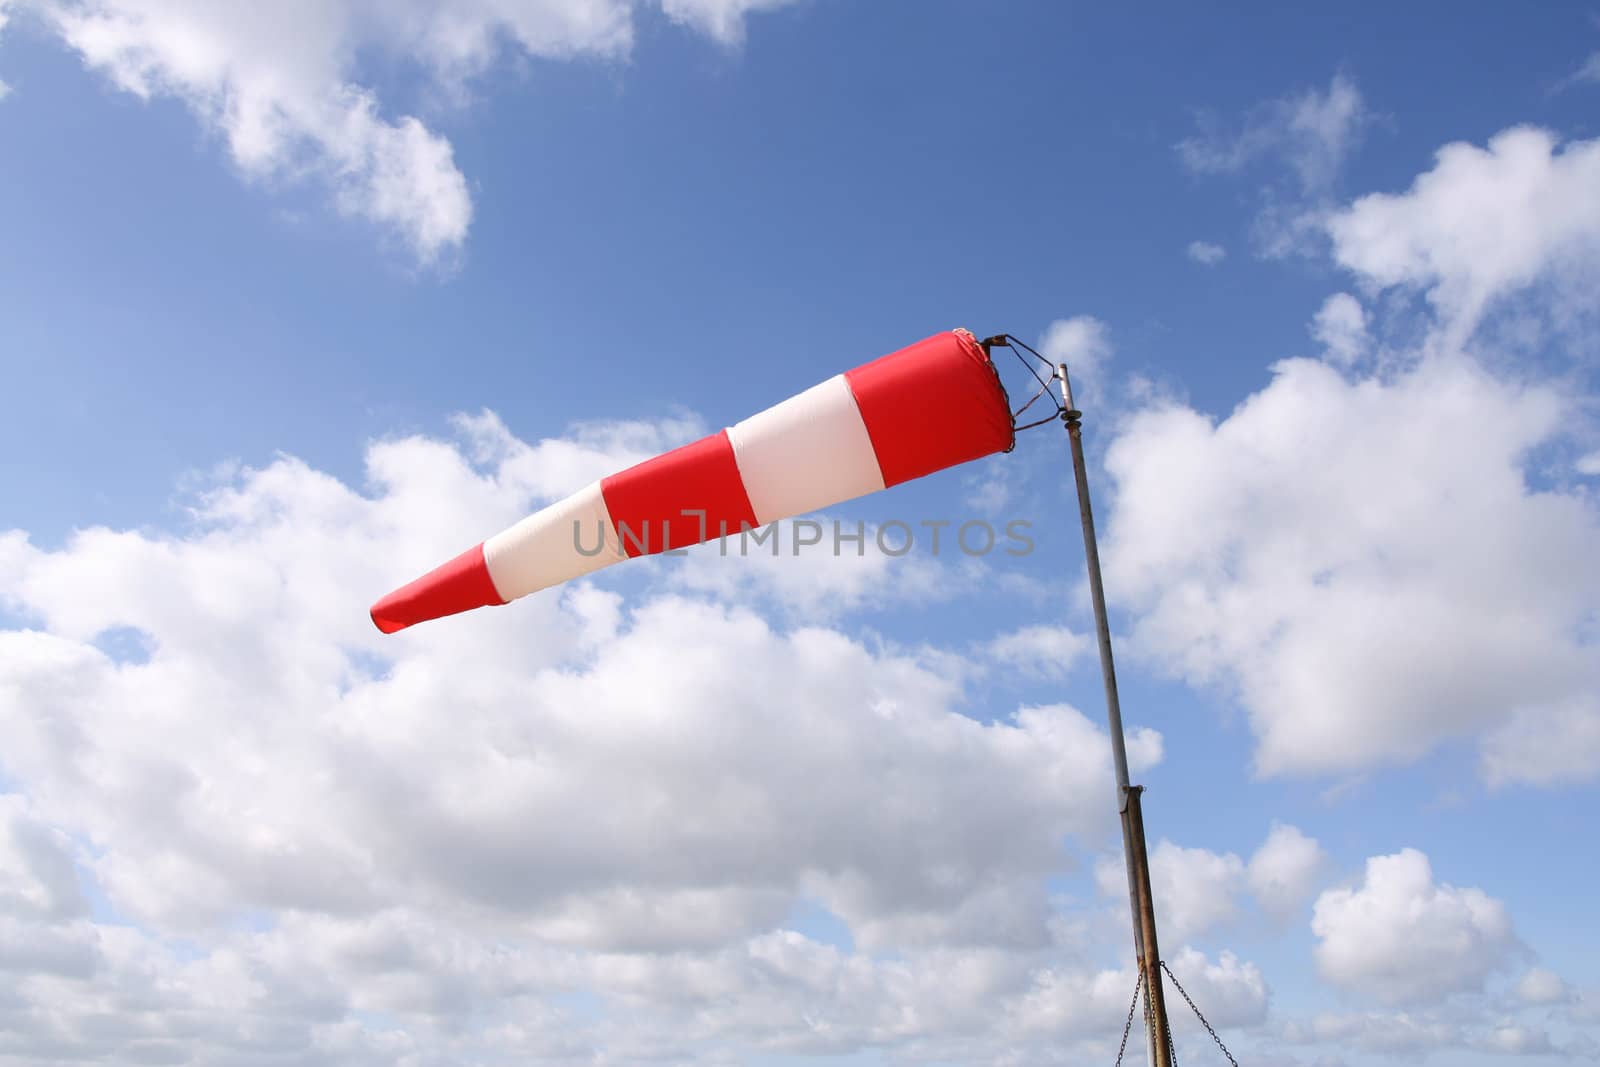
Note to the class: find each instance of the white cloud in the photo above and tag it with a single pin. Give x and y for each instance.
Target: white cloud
(1588, 464)
(989, 489)
(277, 82)
(1585, 1006)
(1514, 1039)
(1284, 871)
(1326, 126)
(1194, 889)
(400, 986)
(1083, 343)
(1547, 744)
(558, 466)
(1066, 1000)
(1307, 136)
(37, 877)
(821, 566)
(722, 19)
(1312, 132)
(1340, 326)
(315, 826)
(1367, 572)
(1403, 939)
(1482, 225)
(1039, 651)
(607, 738)
(1393, 1034)
(1588, 72)
(1413, 1035)
(1197, 890)
(1232, 990)
(1363, 572)
(1540, 986)
(1206, 253)
(5, 90)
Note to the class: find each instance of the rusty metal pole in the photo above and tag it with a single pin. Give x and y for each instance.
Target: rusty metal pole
(1160, 1039)
(1133, 846)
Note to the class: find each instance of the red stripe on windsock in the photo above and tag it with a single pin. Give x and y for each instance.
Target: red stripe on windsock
(931, 405)
(457, 586)
(647, 502)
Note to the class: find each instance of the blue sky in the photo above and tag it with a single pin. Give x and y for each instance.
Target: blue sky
(665, 220)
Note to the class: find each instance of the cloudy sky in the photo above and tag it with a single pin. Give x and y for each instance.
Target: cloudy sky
(299, 299)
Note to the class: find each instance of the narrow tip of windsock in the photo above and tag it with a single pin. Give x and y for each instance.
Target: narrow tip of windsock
(457, 586)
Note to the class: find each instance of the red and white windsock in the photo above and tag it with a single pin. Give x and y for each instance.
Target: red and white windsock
(932, 405)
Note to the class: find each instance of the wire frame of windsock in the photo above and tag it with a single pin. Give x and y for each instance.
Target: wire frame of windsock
(932, 405)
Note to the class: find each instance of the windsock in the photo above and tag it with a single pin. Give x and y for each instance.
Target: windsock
(935, 404)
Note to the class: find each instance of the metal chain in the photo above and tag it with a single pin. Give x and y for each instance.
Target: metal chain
(1128, 1026)
(1186, 999)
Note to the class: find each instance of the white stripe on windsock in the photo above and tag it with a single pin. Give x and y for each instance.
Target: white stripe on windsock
(808, 452)
(543, 549)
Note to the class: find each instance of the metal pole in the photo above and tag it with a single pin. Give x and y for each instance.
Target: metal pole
(1133, 846)
(1160, 1039)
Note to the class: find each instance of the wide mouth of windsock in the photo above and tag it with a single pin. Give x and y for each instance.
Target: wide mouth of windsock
(1046, 380)
(999, 382)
